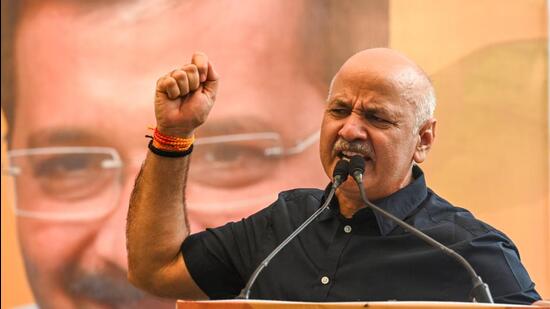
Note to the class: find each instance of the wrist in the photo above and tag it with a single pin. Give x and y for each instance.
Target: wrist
(176, 132)
(170, 145)
(169, 153)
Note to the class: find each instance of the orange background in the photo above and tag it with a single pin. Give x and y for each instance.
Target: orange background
(488, 60)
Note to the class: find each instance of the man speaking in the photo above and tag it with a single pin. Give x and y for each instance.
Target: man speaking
(380, 107)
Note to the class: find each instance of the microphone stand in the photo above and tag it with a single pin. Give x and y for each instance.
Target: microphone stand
(480, 291)
(340, 174)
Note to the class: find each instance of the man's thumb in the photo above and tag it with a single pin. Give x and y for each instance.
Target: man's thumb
(212, 79)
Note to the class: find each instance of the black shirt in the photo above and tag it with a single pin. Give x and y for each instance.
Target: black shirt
(365, 258)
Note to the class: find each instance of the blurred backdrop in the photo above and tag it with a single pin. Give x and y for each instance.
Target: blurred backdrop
(78, 79)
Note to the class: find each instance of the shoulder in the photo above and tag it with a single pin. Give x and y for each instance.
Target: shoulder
(439, 210)
(461, 228)
(491, 252)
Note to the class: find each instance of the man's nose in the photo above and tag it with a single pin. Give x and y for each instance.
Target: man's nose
(354, 128)
(110, 241)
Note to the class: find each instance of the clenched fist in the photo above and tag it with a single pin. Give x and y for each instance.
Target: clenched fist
(184, 98)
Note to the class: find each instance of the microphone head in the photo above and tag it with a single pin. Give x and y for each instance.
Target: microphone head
(341, 171)
(357, 165)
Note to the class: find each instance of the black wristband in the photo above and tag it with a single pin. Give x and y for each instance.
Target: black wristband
(170, 154)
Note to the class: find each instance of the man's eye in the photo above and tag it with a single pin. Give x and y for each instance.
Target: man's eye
(339, 112)
(65, 166)
(230, 164)
(229, 155)
(378, 120)
(72, 176)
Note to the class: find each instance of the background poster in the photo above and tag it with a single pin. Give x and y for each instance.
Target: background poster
(82, 75)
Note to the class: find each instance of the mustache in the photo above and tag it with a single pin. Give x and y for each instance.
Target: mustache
(364, 148)
(108, 285)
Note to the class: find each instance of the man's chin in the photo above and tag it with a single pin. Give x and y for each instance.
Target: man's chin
(349, 189)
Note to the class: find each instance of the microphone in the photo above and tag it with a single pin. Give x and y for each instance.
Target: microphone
(480, 291)
(339, 175)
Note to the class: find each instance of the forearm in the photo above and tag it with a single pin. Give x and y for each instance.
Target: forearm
(156, 223)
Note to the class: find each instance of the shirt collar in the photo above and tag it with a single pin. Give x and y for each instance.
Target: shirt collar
(400, 204)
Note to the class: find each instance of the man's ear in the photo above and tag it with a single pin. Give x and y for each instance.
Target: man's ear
(426, 138)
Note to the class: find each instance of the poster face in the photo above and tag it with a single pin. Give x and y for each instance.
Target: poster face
(78, 81)
(84, 76)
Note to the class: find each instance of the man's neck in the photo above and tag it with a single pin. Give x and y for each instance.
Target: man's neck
(350, 200)
(349, 203)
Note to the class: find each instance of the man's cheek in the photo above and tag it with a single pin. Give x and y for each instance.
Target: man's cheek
(50, 245)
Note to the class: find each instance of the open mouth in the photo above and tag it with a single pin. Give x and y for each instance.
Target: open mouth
(346, 154)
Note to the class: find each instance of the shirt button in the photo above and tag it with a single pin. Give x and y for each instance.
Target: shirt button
(347, 229)
(324, 280)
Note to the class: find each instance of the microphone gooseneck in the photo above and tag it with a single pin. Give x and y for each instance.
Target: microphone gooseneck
(340, 174)
(480, 291)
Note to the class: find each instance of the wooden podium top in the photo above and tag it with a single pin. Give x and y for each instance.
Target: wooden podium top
(266, 304)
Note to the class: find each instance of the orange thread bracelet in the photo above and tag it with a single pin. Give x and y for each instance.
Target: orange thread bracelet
(168, 143)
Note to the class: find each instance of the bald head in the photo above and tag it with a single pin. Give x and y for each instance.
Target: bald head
(391, 70)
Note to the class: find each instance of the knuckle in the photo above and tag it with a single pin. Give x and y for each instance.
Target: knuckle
(193, 68)
(184, 81)
(170, 82)
(177, 74)
(160, 82)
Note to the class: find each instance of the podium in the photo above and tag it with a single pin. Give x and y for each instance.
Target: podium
(265, 304)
